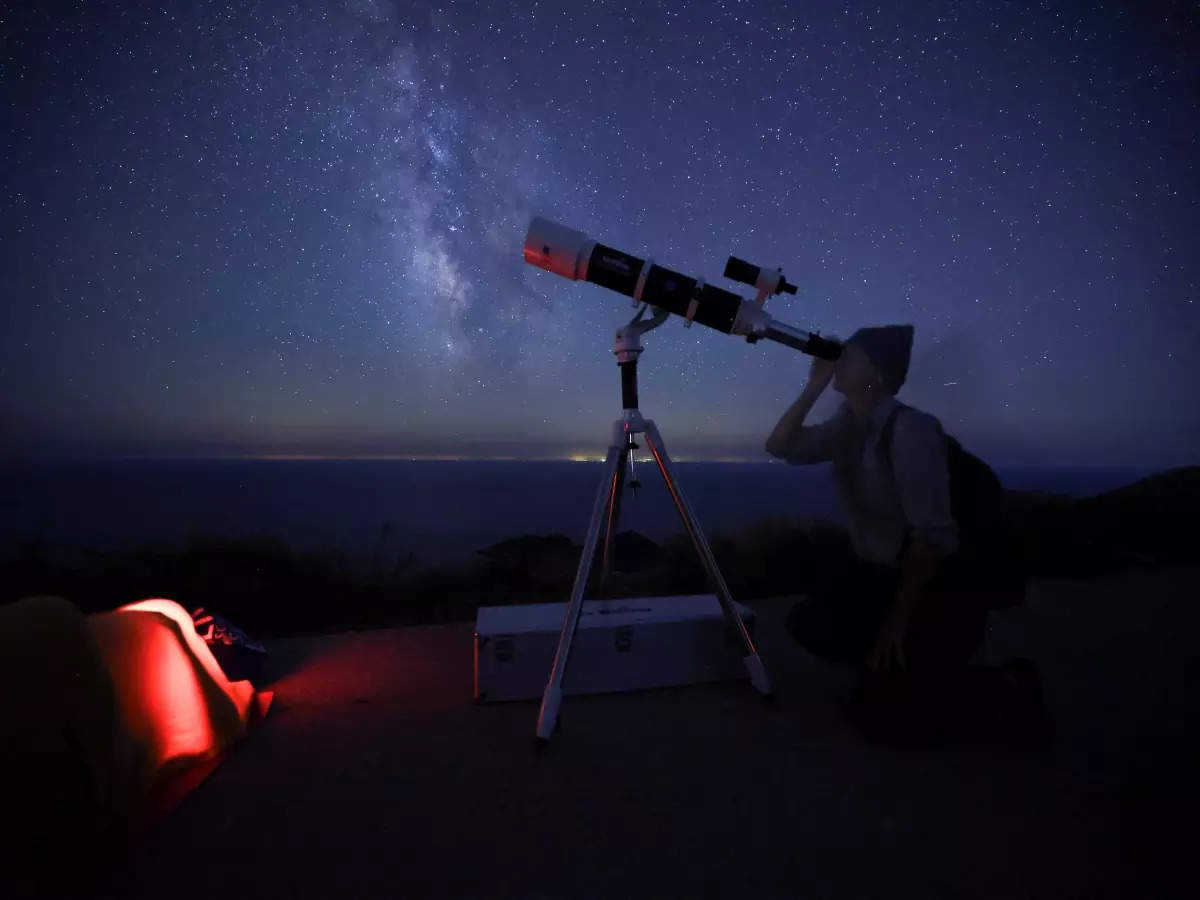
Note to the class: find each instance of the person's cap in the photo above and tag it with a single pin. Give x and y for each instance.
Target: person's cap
(889, 347)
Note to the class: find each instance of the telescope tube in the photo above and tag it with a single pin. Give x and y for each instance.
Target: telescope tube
(572, 254)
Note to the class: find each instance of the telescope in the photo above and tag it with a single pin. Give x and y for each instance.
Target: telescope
(572, 254)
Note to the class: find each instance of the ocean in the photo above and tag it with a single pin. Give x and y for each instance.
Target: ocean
(441, 511)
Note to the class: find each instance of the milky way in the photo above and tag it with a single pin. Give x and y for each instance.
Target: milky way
(242, 229)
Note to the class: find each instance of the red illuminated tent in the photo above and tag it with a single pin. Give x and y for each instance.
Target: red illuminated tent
(106, 721)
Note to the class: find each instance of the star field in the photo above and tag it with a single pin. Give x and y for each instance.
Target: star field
(270, 228)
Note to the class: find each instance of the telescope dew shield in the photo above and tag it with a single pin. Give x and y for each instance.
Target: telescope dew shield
(572, 254)
(558, 249)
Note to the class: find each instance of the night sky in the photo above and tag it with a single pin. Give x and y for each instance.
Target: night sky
(251, 229)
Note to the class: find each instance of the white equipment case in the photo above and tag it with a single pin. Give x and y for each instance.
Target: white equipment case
(624, 644)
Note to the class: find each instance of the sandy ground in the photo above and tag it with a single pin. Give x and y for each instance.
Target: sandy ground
(376, 775)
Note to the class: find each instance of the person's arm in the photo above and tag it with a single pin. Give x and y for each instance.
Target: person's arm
(921, 563)
(800, 444)
(922, 477)
(923, 483)
(792, 440)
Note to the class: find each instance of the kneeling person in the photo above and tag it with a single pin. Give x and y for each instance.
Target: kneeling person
(898, 608)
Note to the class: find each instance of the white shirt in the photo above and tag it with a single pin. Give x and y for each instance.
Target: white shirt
(879, 515)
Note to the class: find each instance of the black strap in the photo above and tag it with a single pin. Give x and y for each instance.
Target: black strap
(885, 442)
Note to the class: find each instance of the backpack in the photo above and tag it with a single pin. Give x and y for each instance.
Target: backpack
(989, 560)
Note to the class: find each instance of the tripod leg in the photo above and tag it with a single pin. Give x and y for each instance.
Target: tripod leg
(614, 516)
(552, 698)
(754, 664)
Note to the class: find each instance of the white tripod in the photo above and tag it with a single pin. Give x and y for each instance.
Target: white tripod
(607, 506)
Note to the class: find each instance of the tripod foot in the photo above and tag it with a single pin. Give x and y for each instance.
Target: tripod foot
(548, 717)
(542, 744)
(758, 673)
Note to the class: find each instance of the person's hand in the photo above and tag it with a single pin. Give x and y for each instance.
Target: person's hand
(888, 648)
(821, 370)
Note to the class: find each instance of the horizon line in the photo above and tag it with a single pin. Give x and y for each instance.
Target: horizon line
(379, 457)
(764, 459)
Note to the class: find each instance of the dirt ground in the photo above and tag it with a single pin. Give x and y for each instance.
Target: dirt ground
(376, 775)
